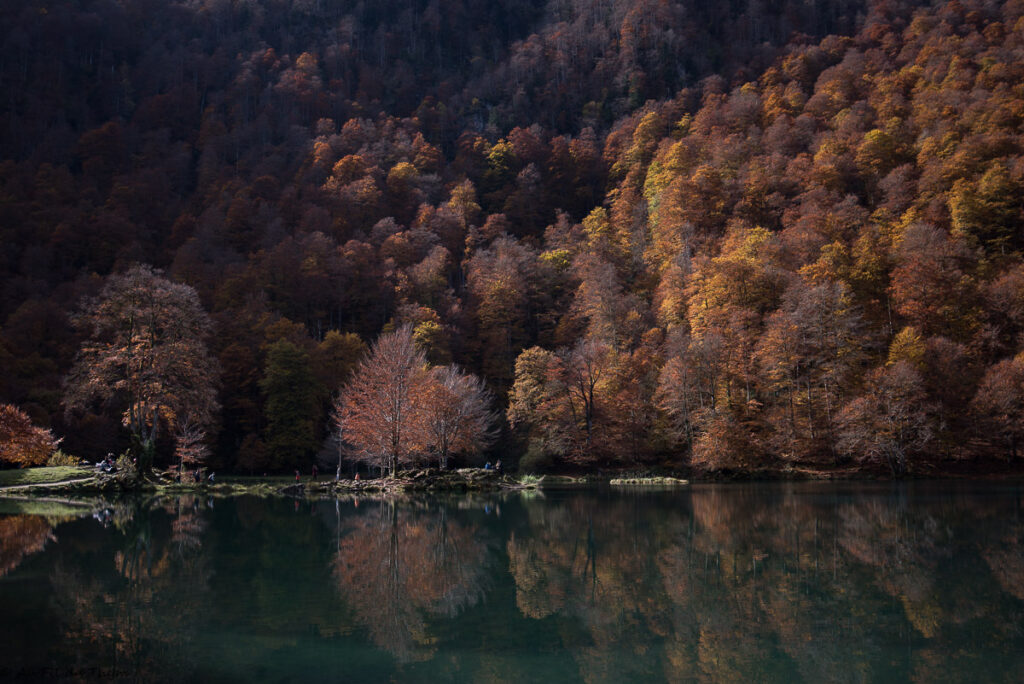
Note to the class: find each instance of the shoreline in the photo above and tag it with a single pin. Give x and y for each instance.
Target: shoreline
(466, 480)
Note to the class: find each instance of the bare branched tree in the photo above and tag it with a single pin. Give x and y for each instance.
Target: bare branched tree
(377, 412)
(191, 446)
(458, 416)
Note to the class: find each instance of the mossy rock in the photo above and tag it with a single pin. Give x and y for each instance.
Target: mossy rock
(649, 482)
(561, 482)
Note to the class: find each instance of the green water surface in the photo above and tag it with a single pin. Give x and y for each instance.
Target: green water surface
(732, 583)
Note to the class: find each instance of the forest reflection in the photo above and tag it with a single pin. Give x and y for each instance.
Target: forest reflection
(734, 582)
(718, 583)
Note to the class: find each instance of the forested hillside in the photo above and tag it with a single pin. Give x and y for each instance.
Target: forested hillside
(725, 235)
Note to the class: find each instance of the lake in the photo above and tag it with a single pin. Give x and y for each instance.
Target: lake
(768, 582)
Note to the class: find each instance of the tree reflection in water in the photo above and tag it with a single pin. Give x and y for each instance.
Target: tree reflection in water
(134, 615)
(396, 564)
(21, 536)
(714, 583)
(774, 582)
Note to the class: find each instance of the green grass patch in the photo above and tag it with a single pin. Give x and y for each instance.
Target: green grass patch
(54, 510)
(44, 475)
(529, 480)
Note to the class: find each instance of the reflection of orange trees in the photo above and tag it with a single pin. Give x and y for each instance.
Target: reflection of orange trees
(189, 524)
(768, 579)
(1008, 567)
(395, 567)
(723, 555)
(1005, 555)
(21, 536)
(584, 561)
(552, 561)
(540, 572)
(796, 579)
(903, 552)
(143, 608)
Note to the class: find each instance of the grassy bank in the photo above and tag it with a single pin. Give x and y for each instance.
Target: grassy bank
(45, 475)
(50, 508)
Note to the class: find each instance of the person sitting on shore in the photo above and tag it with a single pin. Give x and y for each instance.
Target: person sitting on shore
(210, 478)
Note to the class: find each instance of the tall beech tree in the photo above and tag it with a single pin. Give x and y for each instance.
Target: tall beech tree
(999, 401)
(191, 444)
(890, 421)
(378, 412)
(561, 398)
(145, 354)
(457, 413)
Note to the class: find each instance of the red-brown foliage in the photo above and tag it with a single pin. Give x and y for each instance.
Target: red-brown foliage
(21, 442)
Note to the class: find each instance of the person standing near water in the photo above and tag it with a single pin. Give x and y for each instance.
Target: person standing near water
(297, 476)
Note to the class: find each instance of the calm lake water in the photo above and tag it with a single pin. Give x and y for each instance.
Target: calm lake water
(766, 582)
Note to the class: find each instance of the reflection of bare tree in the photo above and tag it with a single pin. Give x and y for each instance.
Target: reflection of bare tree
(903, 551)
(189, 524)
(395, 566)
(21, 536)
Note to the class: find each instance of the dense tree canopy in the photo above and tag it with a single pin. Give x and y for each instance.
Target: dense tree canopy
(145, 353)
(758, 216)
(290, 392)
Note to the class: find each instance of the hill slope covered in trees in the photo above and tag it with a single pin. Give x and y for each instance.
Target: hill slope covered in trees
(683, 232)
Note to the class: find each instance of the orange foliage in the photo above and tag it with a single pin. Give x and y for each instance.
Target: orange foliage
(21, 442)
(21, 536)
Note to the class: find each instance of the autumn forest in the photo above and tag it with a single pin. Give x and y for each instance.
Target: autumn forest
(721, 237)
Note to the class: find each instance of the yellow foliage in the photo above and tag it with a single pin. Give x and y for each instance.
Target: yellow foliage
(908, 345)
(833, 264)
(926, 616)
(739, 277)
